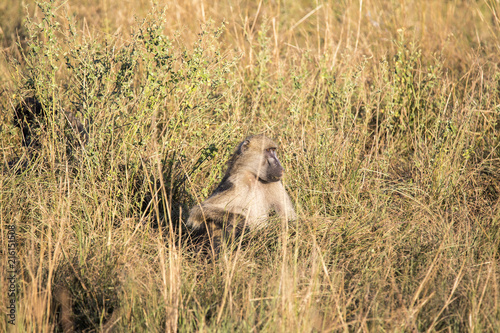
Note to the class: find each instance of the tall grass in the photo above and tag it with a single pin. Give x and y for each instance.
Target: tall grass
(119, 116)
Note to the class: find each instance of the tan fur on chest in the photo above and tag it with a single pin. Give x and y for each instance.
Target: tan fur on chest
(247, 199)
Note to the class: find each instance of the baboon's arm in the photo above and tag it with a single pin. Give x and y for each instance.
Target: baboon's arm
(284, 206)
(202, 215)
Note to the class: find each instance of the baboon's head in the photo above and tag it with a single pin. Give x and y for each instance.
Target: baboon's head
(257, 154)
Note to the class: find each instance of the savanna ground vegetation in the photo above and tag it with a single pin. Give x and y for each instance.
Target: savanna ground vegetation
(117, 116)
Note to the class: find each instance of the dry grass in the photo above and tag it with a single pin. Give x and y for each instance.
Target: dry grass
(387, 114)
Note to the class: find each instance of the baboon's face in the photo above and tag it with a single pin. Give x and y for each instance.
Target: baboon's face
(259, 155)
(273, 168)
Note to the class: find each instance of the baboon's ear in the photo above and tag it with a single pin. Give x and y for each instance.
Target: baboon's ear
(244, 145)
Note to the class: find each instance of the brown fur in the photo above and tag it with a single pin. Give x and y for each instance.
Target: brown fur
(249, 191)
(63, 299)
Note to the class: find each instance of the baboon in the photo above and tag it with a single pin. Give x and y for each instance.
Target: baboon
(31, 118)
(249, 192)
(28, 117)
